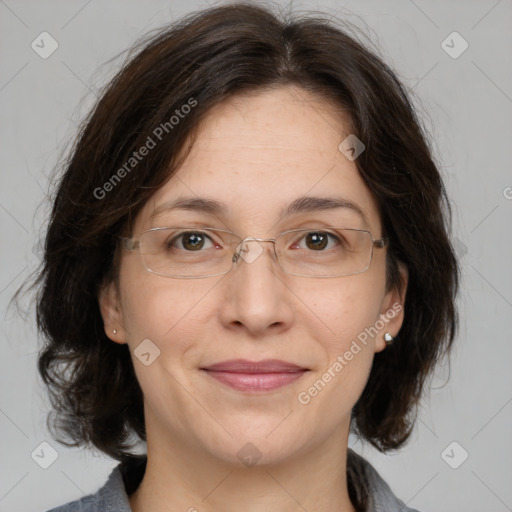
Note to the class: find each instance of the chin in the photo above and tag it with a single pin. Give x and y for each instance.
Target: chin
(257, 444)
(251, 452)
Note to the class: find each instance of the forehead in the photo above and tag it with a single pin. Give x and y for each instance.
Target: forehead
(254, 155)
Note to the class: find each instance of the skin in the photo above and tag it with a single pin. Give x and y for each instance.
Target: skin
(256, 153)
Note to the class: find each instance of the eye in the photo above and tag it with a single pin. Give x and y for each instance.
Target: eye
(189, 240)
(318, 240)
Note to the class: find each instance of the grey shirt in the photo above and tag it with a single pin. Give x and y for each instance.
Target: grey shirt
(123, 480)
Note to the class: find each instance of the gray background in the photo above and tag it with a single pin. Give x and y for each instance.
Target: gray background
(467, 104)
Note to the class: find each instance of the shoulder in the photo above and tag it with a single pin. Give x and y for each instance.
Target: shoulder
(112, 497)
(380, 496)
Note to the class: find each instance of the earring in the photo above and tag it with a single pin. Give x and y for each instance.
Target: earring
(115, 331)
(388, 339)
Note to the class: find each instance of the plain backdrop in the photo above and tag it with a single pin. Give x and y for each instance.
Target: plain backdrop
(459, 457)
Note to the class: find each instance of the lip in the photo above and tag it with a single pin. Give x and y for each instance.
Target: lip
(255, 376)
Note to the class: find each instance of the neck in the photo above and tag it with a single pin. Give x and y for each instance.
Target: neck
(179, 477)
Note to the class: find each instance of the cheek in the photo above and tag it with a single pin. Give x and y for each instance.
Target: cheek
(347, 315)
(162, 319)
(160, 309)
(335, 386)
(349, 309)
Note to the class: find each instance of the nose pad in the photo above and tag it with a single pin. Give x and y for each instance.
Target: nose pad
(248, 252)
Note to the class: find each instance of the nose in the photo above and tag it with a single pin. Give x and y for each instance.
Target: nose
(257, 298)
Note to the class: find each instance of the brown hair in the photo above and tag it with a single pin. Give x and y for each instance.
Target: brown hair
(200, 61)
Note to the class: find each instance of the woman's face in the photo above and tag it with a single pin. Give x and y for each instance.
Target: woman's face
(256, 154)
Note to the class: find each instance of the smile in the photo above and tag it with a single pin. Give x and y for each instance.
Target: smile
(250, 376)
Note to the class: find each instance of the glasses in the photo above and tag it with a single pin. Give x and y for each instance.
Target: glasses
(186, 252)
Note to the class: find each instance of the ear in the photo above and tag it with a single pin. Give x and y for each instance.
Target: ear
(111, 312)
(392, 309)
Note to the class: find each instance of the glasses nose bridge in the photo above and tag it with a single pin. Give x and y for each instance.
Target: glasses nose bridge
(240, 246)
(258, 239)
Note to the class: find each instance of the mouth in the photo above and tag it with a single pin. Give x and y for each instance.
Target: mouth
(255, 376)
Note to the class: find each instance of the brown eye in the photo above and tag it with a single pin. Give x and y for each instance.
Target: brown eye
(189, 241)
(193, 241)
(318, 240)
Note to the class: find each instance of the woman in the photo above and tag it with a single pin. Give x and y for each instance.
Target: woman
(247, 259)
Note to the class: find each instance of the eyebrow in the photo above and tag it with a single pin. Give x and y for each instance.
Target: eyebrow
(303, 204)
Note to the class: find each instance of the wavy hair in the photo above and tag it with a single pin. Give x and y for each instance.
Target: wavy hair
(209, 56)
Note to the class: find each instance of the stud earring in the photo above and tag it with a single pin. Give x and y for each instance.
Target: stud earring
(388, 339)
(115, 331)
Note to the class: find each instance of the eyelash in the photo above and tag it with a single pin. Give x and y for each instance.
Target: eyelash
(170, 243)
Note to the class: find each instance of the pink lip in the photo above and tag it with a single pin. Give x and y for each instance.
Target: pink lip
(244, 375)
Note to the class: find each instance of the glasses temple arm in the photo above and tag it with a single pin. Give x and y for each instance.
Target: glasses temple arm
(129, 243)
